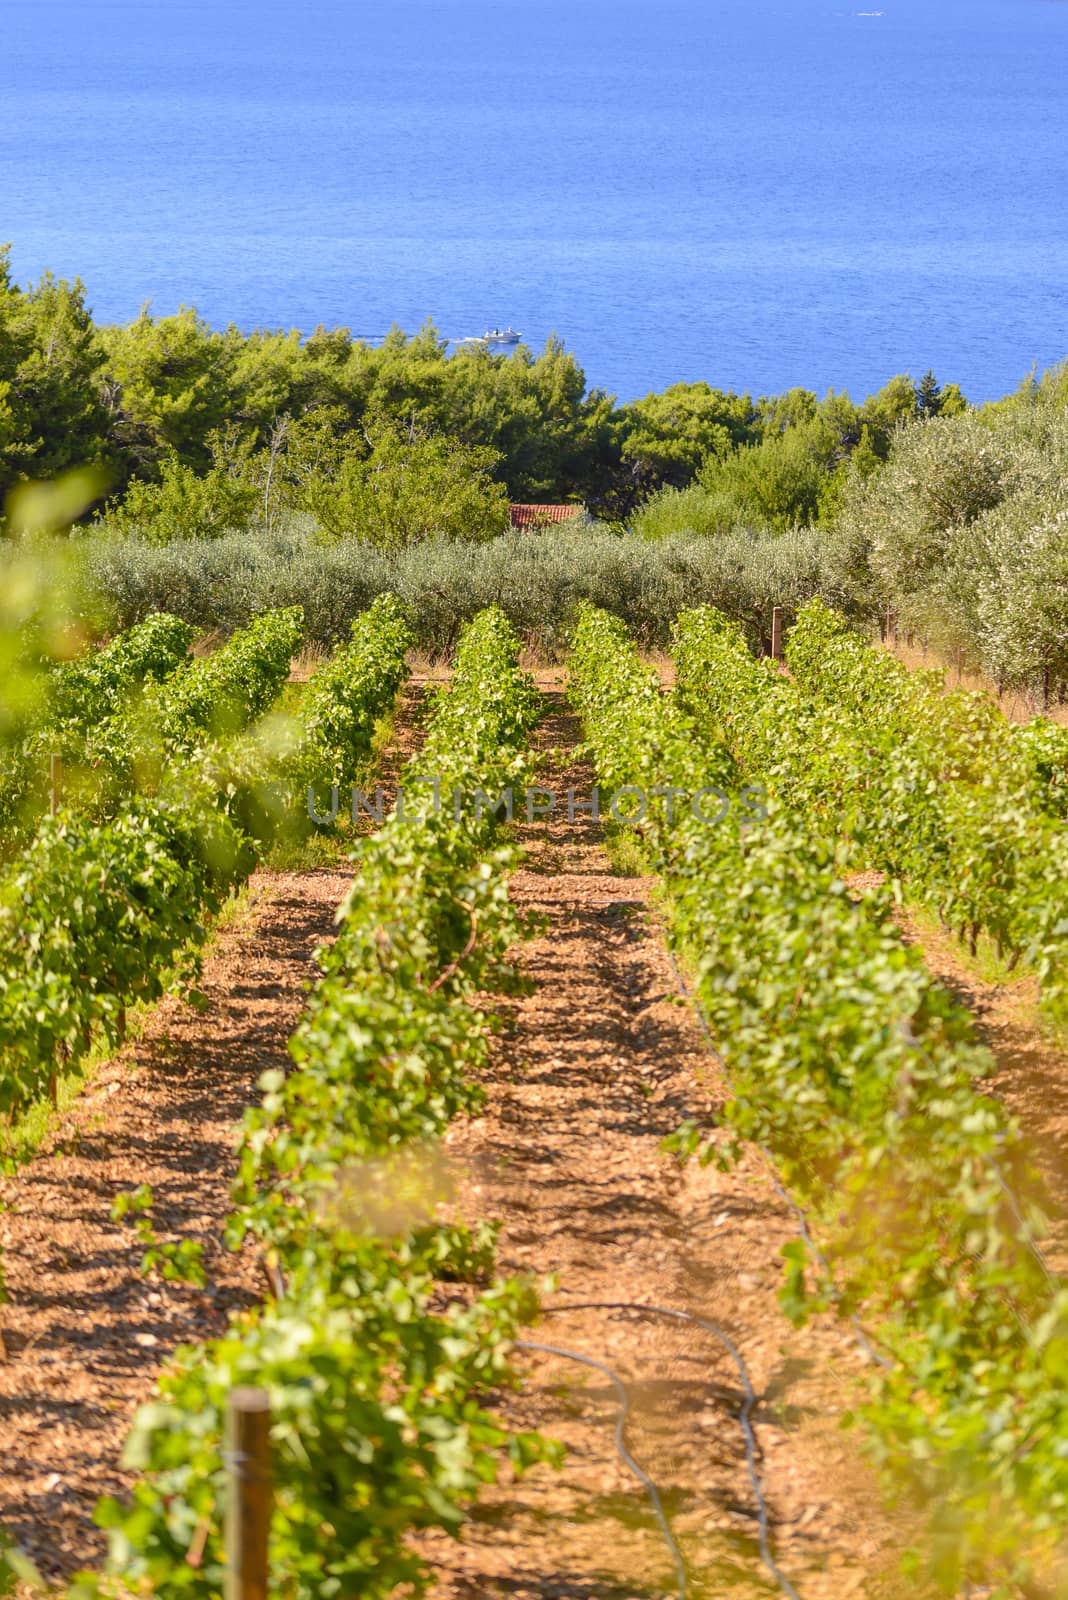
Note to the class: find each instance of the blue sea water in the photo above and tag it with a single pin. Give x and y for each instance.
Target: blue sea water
(761, 193)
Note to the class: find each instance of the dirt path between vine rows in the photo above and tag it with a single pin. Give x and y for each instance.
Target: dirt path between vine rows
(1030, 1070)
(596, 1066)
(1030, 1075)
(86, 1332)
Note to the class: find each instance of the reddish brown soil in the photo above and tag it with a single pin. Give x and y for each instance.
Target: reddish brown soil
(597, 1066)
(1030, 1070)
(86, 1332)
(1030, 1074)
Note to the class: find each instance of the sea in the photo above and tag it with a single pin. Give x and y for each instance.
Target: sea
(757, 193)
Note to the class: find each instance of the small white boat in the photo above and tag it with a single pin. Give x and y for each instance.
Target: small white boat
(501, 336)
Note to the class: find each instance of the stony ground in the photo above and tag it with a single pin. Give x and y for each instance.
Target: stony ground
(594, 1068)
(598, 1065)
(85, 1331)
(1029, 1073)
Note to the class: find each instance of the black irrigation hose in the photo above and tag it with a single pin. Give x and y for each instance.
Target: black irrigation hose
(802, 1220)
(625, 1455)
(1038, 1254)
(745, 1416)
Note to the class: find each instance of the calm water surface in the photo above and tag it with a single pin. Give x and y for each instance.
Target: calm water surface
(760, 194)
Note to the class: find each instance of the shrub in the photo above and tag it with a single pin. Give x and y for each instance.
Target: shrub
(410, 487)
(537, 580)
(182, 505)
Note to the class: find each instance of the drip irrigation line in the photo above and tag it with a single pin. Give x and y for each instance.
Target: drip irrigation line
(1034, 1248)
(624, 1454)
(694, 1000)
(745, 1416)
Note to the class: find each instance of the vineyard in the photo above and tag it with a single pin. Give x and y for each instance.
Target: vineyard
(616, 1205)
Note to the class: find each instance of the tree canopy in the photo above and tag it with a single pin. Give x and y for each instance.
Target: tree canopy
(175, 412)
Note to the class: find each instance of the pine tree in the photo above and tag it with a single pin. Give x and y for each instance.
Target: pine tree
(929, 395)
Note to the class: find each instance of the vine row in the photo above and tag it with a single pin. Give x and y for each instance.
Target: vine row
(77, 697)
(96, 916)
(856, 1071)
(377, 1430)
(937, 789)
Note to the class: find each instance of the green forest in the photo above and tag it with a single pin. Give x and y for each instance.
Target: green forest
(211, 473)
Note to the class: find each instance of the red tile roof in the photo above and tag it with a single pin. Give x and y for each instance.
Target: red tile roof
(542, 516)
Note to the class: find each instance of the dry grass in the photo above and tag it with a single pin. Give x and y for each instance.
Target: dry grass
(1015, 706)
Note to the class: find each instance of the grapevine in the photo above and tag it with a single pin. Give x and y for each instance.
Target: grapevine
(376, 1425)
(96, 916)
(856, 1070)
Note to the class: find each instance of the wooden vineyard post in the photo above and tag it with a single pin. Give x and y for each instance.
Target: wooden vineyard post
(55, 773)
(248, 1493)
(776, 633)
